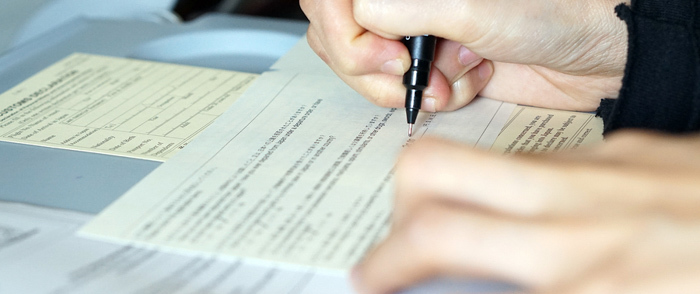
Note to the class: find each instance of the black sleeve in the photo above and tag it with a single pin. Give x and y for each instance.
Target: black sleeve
(661, 86)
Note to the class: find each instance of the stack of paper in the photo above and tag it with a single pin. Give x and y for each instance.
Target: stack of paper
(296, 175)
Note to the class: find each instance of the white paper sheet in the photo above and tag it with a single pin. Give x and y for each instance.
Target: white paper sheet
(40, 254)
(298, 172)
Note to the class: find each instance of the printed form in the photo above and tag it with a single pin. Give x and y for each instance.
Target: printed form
(117, 106)
(41, 254)
(298, 172)
(533, 130)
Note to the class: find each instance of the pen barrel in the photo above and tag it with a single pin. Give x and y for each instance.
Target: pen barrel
(417, 76)
(413, 103)
(413, 98)
(421, 47)
(422, 50)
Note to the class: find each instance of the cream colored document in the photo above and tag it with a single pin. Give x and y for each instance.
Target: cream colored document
(117, 106)
(298, 172)
(532, 130)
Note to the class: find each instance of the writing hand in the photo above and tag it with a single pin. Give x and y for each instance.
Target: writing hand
(558, 54)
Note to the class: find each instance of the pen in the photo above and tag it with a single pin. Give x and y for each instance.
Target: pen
(422, 50)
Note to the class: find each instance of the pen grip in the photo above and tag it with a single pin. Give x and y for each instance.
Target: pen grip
(421, 47)
(422, 50)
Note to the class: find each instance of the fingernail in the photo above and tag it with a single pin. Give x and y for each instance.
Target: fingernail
(393, 67)
(467, 57)
(485, 70)
(428, 105)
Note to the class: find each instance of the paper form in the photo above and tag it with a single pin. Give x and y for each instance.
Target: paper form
(532, 130)
(45, 257)
(298, 172)
(117, 106)
(40, 253)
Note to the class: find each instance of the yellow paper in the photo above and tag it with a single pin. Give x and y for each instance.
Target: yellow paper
(117, 106)
(532, 129)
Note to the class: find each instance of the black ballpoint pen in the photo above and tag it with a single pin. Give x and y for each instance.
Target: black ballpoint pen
(422, 50)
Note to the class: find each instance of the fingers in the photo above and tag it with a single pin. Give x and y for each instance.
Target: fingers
(370, 64)
(673, 149)
(439, 169)
(683, 281)
(454, 81)
(572, 184)
(414, 17)
(466, 87)
(445, 240)
(458, 75)
(373, 63)
(653, 166)
(380, 88)
(662, 257)
(352, 49)
(577, 239)
(465, 72)
(536, 64)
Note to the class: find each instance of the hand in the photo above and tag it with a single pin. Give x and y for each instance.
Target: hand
(621, 217)
(550, 53)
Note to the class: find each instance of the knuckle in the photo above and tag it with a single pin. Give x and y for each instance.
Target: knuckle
(383, 101)
(361, 13)
(381, 90)
(358, 57)
(368, 14)
(304, 4)
(348, 65)
(308, 7)
(462, 92)
(316, 46)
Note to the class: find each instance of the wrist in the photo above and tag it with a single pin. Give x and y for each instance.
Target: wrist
(601, 49)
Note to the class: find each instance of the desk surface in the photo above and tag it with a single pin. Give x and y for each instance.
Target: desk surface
(89, 182)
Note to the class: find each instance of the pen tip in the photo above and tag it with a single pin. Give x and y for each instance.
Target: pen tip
(410, 130)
